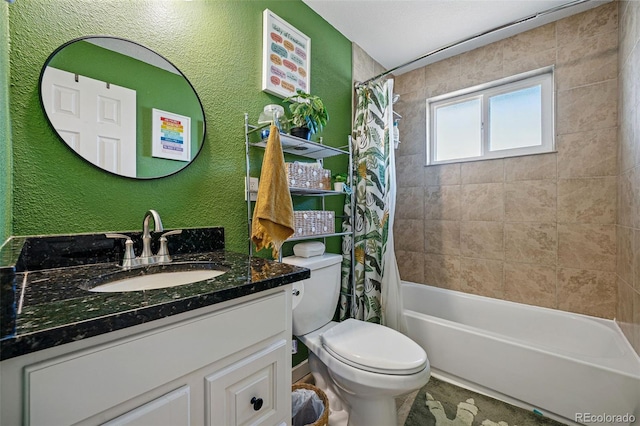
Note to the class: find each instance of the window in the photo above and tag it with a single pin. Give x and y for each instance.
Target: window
(505, 118)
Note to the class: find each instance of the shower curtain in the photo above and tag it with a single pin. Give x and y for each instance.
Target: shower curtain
(373, 293)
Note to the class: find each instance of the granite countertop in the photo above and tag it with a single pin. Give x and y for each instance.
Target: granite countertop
(53, 306)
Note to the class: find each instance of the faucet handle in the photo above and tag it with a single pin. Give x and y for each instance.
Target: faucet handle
(163, 251)
(174, 232)
(129, 256)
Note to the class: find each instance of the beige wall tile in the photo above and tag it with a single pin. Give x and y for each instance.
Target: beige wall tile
(624, 309)
(635, 202)
(442, 202)
(527, 283)
(530, 201)
(484, 240)
(625, 198)
(531, 167)
(443, 76)
(362, 64)
(588, 154)
(490, 171)
(531, 243)
(635, 341)
(410, 265)
(442, 271)
(537, 40)
(627, 138)
(629, 27)
(481, 65)
(634, 61)
(409, 81)
(624, 251)
(483, 202)
(442, 237)
(587, 200)
(378, 69)
(636, 261)
(481, 276)
(530, 50)
(587, 108)
(410, 170)
(587, 61)
(445, 174)
(410, 203)
(410, 234)
(598, 20)
(587, 292)
(627, 86)
(530, 62)
(587, 246)
(412, 127)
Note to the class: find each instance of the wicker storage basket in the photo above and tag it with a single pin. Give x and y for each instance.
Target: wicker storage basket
(313, 222)
(324, 418)
(308, 176)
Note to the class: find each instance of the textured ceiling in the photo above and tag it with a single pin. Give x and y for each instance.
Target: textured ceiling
(394, 32)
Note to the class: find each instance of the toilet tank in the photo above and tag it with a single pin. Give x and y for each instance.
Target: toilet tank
(317, 298)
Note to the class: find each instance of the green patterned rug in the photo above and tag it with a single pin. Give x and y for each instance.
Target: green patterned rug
(442, 404)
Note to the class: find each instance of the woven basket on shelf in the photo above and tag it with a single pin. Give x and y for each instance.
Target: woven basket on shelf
(308, 176)
(313, 222)
(324, 418)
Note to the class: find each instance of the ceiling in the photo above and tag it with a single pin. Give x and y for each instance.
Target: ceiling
(395, 32)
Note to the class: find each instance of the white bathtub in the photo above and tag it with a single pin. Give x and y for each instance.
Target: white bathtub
(566, 366)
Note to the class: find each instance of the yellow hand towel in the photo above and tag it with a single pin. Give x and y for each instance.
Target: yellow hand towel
(273, 213)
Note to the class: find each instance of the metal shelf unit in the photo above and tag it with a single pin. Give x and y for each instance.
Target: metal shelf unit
(303, 148)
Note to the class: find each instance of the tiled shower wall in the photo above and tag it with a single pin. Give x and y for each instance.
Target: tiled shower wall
(537, 229)
(628, 314)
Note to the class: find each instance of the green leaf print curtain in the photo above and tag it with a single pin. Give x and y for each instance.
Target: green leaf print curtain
(373, 182)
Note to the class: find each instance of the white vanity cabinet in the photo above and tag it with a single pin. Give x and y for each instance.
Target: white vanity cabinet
(227, 364)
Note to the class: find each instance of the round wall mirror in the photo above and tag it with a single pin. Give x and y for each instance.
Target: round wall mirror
(122, 107)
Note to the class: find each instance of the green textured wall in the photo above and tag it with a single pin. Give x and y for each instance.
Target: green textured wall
(5, 128)
(217, 45)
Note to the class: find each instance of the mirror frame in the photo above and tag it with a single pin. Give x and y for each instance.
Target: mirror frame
(61, 47)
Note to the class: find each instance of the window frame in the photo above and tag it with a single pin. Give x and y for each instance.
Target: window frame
(543, 77)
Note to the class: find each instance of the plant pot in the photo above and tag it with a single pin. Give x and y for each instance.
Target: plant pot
(338, 186)
(301, 132)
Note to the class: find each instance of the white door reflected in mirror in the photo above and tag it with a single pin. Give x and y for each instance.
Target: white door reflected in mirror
(95, 118)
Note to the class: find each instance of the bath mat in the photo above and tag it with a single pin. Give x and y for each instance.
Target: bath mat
(442, 404)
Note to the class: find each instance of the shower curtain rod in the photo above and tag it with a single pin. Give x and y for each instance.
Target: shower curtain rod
(493, 30)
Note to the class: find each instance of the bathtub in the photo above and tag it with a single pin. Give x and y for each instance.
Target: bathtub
(569, 367)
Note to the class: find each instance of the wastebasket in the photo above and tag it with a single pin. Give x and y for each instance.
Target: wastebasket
(310, 406)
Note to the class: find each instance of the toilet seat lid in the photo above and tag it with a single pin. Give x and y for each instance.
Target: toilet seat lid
(373, 347)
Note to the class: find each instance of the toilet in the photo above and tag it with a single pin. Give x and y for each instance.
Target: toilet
(361, 366)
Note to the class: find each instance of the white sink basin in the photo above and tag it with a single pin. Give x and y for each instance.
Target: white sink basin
(158, 280)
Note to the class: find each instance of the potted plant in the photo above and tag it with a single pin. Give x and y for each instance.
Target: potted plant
(308, 114)
(339, 181)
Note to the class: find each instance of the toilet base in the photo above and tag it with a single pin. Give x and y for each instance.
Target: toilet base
(348, 409)
(370, 412)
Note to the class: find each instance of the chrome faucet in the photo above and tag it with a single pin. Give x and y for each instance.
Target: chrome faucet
(147, 256)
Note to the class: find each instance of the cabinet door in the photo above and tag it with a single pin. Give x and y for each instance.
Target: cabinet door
(171, 409)
(91, 381)
(252, 391)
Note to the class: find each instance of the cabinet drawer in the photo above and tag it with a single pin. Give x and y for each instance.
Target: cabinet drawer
(169, 410)
(72, 388)
(252, 391)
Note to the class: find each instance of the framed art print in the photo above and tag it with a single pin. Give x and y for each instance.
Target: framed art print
(171, 136)
(286, 57)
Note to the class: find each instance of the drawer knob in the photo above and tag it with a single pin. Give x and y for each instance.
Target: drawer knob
(257, 403)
